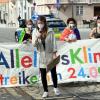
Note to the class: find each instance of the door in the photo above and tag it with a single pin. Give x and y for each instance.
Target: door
(97, 11)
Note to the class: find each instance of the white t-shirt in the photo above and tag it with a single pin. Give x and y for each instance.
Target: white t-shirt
(72, 36)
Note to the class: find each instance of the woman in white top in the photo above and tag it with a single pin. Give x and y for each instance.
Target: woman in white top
(43, 39)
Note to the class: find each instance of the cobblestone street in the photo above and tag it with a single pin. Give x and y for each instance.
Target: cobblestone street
(71, 91)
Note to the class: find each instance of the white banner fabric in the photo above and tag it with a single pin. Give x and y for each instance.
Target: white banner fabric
(18, 65)
(79, 61)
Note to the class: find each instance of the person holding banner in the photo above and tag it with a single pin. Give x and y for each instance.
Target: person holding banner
(70, 33)
(43, 39)
(95, 33)
(28, 31)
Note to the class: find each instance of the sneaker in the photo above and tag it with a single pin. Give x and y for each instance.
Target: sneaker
(57, 92)
(45, 94)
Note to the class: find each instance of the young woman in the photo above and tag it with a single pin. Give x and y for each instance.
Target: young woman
(95, 33)
(70, 33)
(43, 38)
(28, 31)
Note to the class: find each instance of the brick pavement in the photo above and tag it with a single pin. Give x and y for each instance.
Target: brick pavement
(69, 91)
(14, 94)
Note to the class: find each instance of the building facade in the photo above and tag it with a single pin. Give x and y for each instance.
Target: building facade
(10, 10)
(79, 9)
(24, 9)
(4, 11)
(41, 8)
(7, 12)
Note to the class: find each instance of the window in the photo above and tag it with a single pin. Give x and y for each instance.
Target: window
(79, 10)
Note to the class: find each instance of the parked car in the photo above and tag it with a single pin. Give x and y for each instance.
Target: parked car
(35, 16)
(57, 25)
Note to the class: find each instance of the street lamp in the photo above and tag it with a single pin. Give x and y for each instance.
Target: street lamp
(25, 9)
(72, 8)
(58, 4)
(33, 10)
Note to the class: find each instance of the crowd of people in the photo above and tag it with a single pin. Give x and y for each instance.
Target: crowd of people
(42, 37)
(69, 34)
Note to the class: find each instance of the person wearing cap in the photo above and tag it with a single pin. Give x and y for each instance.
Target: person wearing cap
(95, 32)
(70, 33)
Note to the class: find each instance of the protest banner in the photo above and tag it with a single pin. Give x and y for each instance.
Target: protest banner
(18, 67)
(79, 61)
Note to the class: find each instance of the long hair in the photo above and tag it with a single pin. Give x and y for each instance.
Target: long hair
(43, 19)
(29, 21)
(98, 18)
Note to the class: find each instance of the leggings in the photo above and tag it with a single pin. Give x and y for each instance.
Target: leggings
(44, 79)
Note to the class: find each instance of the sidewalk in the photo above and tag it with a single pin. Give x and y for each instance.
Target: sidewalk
(7, 26)
(69, 91)
(3, 25)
